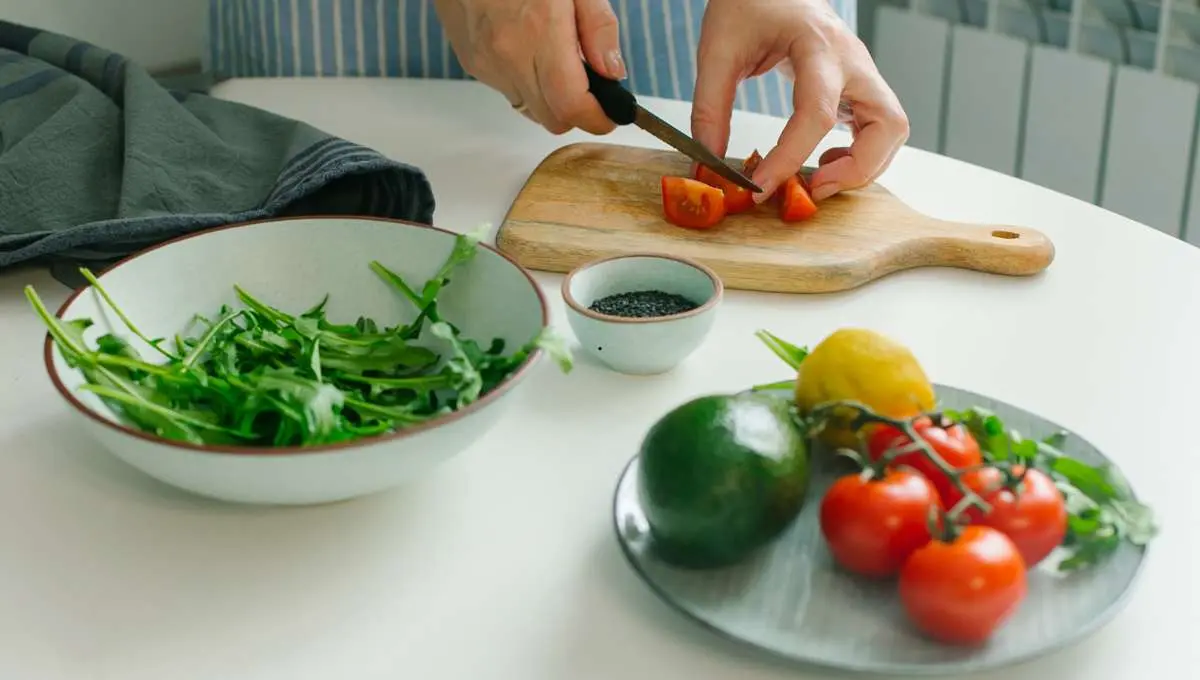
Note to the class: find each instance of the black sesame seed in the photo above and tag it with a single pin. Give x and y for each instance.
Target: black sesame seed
(643, 304)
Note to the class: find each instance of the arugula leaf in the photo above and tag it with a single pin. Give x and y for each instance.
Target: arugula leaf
(91, 279)
(273, 318)
(555, 347)
(397, 281)
(319, 403)
(463, 250)
(1102, 508)
(468, 379)
(259, 376)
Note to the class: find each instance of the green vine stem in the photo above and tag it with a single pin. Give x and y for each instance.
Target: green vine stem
(942, 525)
(790, 354)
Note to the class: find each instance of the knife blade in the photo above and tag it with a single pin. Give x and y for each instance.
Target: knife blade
(621, 107)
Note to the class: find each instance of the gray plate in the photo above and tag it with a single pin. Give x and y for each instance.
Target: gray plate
(789, 599)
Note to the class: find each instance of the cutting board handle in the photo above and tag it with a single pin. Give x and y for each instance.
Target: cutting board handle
(999, 249)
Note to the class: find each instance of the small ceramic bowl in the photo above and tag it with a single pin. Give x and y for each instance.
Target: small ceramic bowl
(642, 345)
(292, 263)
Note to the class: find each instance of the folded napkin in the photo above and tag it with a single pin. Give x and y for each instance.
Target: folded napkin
(98, 159)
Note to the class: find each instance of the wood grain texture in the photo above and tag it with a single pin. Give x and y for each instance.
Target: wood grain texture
(588, 201)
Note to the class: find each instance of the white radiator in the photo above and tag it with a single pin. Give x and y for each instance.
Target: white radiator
(1097, 99)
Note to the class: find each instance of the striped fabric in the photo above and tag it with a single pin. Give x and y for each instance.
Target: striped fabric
(403, 39)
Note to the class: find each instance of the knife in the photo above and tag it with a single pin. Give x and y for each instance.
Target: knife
(622, 108)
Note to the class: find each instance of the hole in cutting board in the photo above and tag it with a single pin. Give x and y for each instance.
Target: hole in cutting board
(999, 233)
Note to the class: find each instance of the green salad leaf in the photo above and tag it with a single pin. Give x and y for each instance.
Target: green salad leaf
(1102, 510)
(259, 376)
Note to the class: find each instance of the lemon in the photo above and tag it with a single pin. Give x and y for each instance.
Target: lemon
(854, 364)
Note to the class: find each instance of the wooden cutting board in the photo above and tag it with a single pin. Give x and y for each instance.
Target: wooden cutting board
(589, 201)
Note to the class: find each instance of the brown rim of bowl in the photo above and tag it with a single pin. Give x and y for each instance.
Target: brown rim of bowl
(713, 300)
(485, 400)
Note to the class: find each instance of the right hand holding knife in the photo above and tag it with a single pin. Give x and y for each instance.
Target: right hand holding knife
(529, 51)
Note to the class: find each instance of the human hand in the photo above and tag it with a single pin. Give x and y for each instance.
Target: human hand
(530, 51)
(830, 65)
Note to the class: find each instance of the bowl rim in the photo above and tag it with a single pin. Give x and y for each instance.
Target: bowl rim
(713, 300)
(479, 404)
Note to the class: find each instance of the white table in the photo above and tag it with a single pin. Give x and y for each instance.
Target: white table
(503, 565)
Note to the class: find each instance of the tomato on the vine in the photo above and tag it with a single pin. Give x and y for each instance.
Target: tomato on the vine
(1032, 512)
(961, 590)
(872, 524)
(953, 443)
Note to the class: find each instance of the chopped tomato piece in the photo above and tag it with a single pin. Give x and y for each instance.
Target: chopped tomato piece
(832, 155)
(691, 203)
(750, 165)
(751, 162)
(795, 203)
(737, 199)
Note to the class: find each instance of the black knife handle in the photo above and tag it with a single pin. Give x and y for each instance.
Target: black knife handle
(618, 103)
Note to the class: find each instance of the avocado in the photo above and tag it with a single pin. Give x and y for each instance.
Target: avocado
(720, 476)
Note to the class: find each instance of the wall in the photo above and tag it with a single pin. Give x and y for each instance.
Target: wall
(158, 33)
(1079, 96)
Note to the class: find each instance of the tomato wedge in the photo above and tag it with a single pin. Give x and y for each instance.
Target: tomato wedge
(750, 165)
(737, 199)
(795, 203)
(691, 203)
(751, 162)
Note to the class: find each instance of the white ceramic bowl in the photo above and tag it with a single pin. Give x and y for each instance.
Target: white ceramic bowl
(641, 346)
(292, 264)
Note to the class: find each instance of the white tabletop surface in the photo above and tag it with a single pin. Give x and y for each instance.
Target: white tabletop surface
(503, 564)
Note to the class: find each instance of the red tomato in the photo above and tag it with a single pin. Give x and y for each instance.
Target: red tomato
(737, 199)
(873, 525)
(795, 203)
(750, 165)
(961, 591)
(954, 444)
(692, 204)
(833, 154)
(1034, 516)
(751, 162)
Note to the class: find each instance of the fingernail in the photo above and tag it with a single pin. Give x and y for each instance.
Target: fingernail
(615, 64)
(825, 191)
(765, 194)
(764, 183)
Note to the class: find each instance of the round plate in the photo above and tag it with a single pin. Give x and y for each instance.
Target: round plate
(790, 600)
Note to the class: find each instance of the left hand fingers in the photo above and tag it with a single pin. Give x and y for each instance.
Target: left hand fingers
(882, 128)
(717, 76)
(818, 89)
